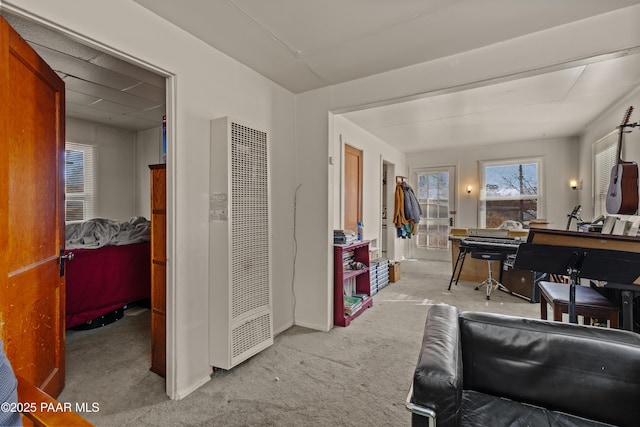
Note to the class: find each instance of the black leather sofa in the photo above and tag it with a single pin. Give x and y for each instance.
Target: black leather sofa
(482, 369)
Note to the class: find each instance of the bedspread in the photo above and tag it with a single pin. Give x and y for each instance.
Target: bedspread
(99, 281)
(99, 232)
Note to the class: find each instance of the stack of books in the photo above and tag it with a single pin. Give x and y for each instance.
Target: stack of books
(344, 237)
(352, 304)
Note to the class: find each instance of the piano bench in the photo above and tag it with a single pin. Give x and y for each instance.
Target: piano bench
(589, 303)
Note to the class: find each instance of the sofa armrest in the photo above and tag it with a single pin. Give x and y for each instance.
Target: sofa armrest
(437, 381)
(420, 415)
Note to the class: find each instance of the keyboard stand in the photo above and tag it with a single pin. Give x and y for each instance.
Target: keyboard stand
(457, 268)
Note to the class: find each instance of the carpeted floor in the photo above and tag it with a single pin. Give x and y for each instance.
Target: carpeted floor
(353, 376)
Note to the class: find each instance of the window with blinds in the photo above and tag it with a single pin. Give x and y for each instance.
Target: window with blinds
(604, 158)
(80, 185)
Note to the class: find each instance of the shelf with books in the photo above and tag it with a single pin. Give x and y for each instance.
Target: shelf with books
(352, 283)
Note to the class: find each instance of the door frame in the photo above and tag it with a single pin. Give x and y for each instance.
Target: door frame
(171, 107)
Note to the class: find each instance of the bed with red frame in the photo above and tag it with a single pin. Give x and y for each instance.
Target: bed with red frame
(102, 279)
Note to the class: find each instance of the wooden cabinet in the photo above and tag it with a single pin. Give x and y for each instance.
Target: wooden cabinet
(158, 268)
(347, 280)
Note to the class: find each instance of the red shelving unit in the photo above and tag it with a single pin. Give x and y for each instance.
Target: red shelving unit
(341, 275)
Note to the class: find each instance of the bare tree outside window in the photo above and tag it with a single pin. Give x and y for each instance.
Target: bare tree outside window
(511, 192)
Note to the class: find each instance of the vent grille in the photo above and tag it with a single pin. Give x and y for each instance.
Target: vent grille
(250, 334)
(249, 221)
(241, 317)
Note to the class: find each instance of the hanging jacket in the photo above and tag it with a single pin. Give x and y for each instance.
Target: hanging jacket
(398, 213)
(412, 209)
(407, 211)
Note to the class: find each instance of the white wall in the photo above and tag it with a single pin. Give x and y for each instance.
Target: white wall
(601, 127)
(209, 85)
(122, 165)
(148, 144)
(560, 164)
(115, 167)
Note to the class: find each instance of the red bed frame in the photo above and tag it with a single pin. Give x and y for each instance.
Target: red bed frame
(99, 281)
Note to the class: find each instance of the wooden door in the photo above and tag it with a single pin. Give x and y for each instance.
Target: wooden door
(32, 292)
(352, 187)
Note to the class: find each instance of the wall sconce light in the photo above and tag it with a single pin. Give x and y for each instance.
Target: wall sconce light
(573, 184)
(469, 188)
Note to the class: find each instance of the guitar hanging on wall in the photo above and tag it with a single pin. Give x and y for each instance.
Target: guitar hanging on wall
(622, 196)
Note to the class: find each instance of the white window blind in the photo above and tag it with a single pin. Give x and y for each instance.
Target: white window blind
(605, 157)
(80, 183)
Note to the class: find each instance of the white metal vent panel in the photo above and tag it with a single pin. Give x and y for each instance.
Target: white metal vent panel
(249, 335)
(249, 220)
(240, 247)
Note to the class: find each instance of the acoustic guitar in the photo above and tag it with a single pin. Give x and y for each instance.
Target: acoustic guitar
(622, 196)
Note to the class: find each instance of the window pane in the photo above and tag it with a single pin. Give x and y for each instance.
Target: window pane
(79, 175)
(499, 211)
(74, 171)
(74, 210)
(511, 192)
(511, 180)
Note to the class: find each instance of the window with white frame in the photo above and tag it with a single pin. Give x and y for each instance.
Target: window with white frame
(79, 174)
(604, 159)
(510, 190)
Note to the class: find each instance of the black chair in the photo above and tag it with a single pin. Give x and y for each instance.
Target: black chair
(490, 282)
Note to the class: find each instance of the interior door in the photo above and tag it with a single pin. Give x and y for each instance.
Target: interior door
(435, 190)
(32, 292)
(352, 187)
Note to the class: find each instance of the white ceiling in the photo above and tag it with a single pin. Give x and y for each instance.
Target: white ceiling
(308, 44)
(551, 105)
(99, 87)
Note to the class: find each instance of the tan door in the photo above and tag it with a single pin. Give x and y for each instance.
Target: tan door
(352, 187)
(32, 291)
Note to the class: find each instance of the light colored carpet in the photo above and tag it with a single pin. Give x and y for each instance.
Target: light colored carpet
(353, 376)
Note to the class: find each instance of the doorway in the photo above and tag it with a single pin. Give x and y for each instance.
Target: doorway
(388, 229)
(435, 190)
(117, 113)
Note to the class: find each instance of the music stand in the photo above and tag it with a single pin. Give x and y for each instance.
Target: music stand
(577, 262)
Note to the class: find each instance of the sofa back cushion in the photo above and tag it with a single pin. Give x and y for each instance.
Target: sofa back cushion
(586, 371)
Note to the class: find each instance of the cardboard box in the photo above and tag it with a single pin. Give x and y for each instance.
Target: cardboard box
(394, 271)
